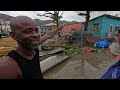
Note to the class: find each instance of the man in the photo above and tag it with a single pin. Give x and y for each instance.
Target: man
(110, 34)
(114, 71)
(24, 61)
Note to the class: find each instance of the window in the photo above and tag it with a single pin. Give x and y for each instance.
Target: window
(95, 27)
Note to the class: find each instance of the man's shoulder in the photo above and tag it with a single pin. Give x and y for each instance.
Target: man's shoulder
(8, 68)
(113, 72)
(8, 62)
(117, 64)
(115, 67)
(9, 59)
(11, 52)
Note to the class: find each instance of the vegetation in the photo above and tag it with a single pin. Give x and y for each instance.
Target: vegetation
(72, 49)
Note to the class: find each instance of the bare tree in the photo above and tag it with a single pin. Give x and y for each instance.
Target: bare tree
(87, 15)
(54, 16)
(87, 18)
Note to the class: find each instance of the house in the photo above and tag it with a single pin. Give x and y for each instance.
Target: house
(4, 27)
(49, 26)
(103, 25)
(7, 23)
(65, 30)
(71, 28)
(45, 28)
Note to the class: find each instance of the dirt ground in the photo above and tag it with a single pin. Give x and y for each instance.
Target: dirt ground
(6, 45)
(87, 66)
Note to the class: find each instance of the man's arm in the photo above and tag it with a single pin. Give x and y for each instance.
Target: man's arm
(8, 69)
(49, 34)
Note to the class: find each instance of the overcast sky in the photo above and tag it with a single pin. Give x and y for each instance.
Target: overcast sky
(67, 15)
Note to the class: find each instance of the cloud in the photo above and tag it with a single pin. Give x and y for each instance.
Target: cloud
(67, 15)
(72, 16)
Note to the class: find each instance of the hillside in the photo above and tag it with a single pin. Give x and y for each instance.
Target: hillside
(5, 17)
(41, 22)
(38, 21)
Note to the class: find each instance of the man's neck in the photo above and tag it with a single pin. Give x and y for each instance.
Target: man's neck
(29, 54)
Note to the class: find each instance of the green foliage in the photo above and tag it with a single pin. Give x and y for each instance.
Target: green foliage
(72, 49)
(60, 40)
(99, 50)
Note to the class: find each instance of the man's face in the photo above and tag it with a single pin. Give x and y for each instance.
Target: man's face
(27, 35)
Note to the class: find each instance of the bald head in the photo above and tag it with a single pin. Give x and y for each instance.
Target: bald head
(20, 21)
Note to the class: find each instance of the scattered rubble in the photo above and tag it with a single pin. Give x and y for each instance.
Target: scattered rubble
(93, 39)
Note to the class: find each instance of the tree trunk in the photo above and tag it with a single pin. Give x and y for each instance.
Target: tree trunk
(87, 17)
(57, 22)
(87, 20)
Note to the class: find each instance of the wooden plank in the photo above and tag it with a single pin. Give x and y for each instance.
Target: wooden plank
(48, 63)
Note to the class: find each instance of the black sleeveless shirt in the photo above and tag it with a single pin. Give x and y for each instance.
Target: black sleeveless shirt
(30, 68)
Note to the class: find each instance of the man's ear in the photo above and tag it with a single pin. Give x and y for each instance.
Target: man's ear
(12, 34)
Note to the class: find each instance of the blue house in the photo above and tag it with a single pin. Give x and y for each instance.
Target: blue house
(102, 25)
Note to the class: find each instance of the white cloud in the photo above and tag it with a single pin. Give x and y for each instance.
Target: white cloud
(72, 16)
(67, 15)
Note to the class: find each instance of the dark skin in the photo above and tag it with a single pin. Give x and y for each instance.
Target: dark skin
(25, 32)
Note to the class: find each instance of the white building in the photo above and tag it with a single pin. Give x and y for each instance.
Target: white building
(7, 23)
(4, 27)
(45, 28)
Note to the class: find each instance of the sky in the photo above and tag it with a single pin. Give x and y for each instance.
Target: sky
(67, 15)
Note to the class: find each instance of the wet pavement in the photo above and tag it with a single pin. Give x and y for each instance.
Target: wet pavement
(86, 66)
